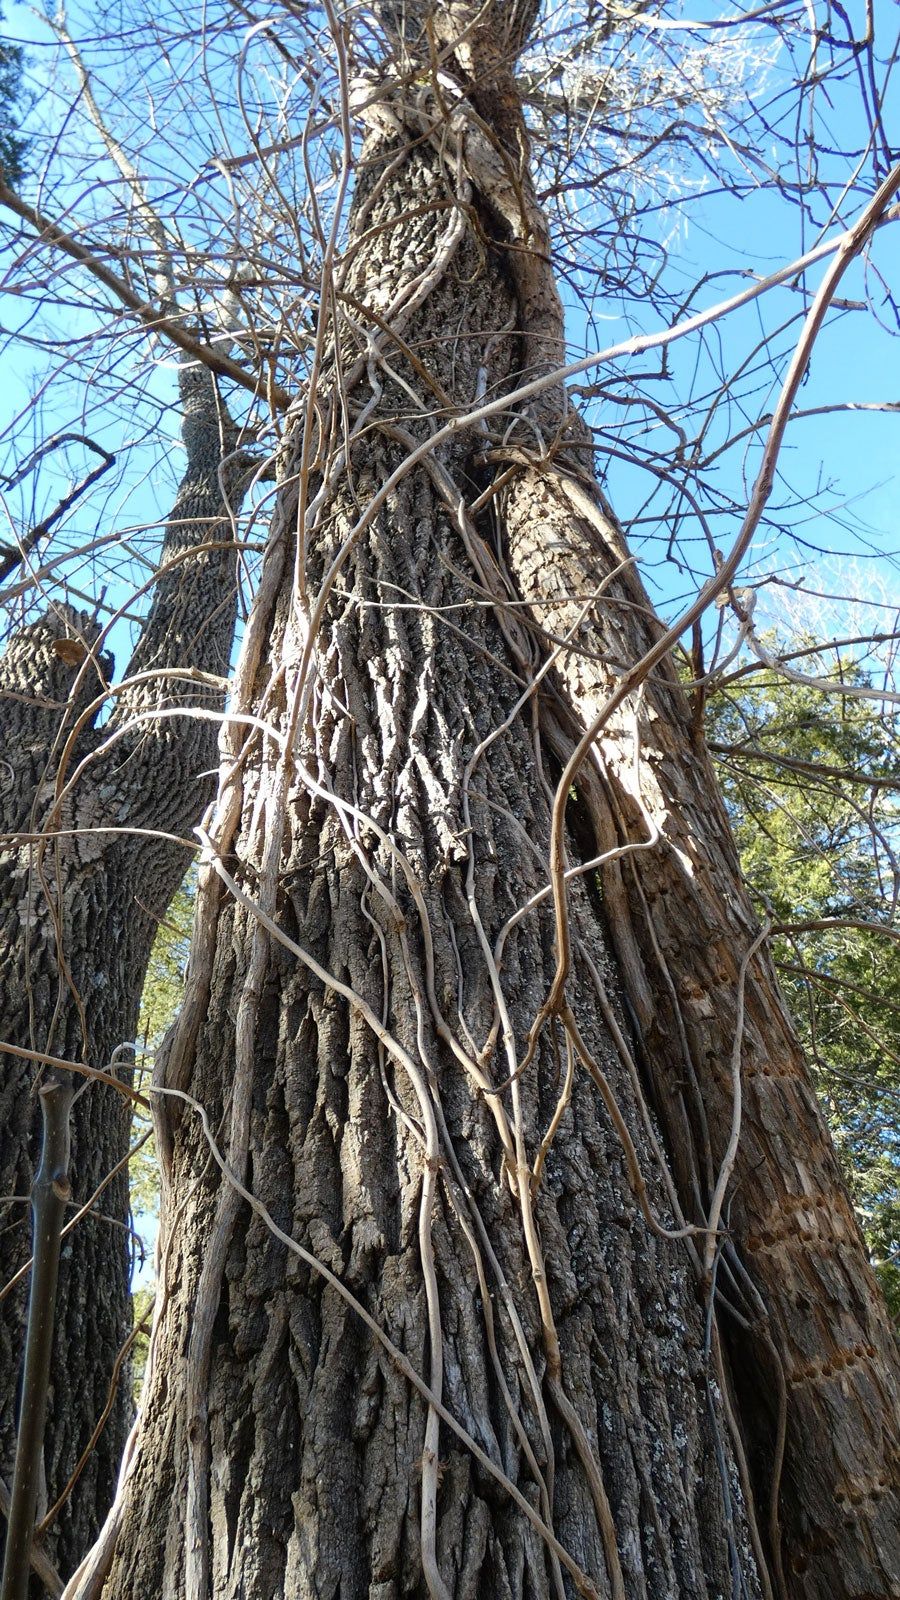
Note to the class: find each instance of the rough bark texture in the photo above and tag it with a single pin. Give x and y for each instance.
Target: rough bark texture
(79, 914)
(360, 1025)
(819, 1355)
(814, 1351)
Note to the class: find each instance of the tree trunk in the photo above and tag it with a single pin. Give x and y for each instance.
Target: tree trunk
(80, 909)
(814, 1351)
(423, 1328)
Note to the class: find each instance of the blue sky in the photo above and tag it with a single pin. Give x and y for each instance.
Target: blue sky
(839, 469)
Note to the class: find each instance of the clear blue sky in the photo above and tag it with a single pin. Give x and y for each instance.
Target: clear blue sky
(842, 468)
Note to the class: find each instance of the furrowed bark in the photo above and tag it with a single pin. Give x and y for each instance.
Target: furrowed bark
(428, 1147)
(819, 1358)
(80, 910)
(813, 1346)
(50, 1193)
(795, 1264)
(355, 1049)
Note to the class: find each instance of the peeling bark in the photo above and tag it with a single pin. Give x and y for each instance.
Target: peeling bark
(80, 911)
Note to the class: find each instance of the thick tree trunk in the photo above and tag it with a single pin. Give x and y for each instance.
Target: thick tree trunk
(427, 1334)
(80, 911)
(814, 1351)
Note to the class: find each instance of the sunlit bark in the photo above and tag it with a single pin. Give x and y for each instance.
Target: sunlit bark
(85, 876)
(451, 1347)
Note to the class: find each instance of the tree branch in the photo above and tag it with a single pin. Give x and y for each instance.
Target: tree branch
(152, 317)
(12, 556)
(41, 1564)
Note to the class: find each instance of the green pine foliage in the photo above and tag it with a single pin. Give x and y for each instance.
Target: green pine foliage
(168, 963)
(159, 1003)
(142, 1312)
(812, 783)
(12, 144)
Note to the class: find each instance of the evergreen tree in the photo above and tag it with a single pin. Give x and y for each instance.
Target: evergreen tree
(812, 784)
(12, 144)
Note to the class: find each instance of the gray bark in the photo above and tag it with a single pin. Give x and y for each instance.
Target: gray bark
(376, 1084)
(80, 909)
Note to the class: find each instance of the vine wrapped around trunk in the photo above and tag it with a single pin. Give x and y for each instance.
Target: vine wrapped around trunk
(432, 1320)
(80, 910)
